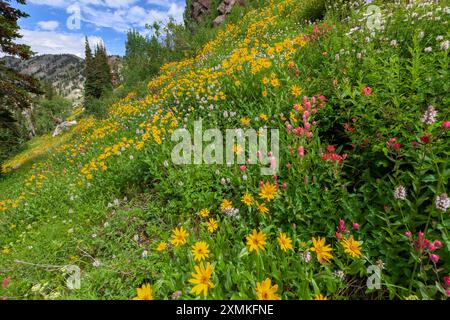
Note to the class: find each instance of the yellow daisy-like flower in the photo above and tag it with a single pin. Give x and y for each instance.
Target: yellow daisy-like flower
(296, 91)
(245, 121)
(261, 208)
(320, 297)
(179, 236)
(322, 250)
(161, 246)
(265, 290)
(351, 247)
(144, 293)
(265, 81)
(285, 242)
(256, 241)
(212, 225)
(200, 251)
(204, 213)
(264, 93)
(247, 199)
(237, 149)
(268, 191)
(263, 117)
(202, 279)
(226, 204)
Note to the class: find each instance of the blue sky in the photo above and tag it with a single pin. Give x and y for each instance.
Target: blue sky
(59, 26)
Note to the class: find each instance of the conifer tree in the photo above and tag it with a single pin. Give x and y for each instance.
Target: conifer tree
(98, 77)
(102, 71)
(15, 88)
(89, 86)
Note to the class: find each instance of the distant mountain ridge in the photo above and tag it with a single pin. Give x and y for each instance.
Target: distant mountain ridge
(64, 71)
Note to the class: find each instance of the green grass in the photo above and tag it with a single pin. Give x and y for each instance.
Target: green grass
(104, 220)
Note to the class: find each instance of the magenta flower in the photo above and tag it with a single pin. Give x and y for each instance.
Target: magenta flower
(434, 258)
(447, 281)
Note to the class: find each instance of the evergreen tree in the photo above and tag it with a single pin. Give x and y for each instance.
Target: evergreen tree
(102, 71)
(89, 86)
(98, 78)
(15, 88)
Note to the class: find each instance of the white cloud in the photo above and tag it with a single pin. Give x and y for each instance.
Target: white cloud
(120, 15)
(161, 3)
(52, 3)
(93, 42)
(48, 25)
(118, 3)
(52, 42)
(134, 17)
(176, 11)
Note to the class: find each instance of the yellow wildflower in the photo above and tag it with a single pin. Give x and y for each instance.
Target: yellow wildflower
(322, 251)
(200, 251)
(256, 241)
(265, 290)
(202, 279)
(285, 242)
(179, 236)
(144, 293)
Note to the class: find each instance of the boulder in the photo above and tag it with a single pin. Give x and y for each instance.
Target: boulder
(60, 127)
(226, 6)
(219, 20)
(199, 8)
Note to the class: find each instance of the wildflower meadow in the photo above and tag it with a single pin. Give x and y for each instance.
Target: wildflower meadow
(347, 111)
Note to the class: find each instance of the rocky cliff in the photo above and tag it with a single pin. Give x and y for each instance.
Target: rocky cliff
(200, 10)
(64, 71)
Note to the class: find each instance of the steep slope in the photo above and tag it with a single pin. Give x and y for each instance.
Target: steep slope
(359, 193)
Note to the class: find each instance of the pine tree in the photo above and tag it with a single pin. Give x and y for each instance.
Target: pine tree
(89, 85)
(103, 69)
(98, 78)
(15, 88)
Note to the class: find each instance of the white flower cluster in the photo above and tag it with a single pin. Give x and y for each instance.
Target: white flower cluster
(429, 116)
(306, 256)
(232, 212)
(400, 193)
(443, 202)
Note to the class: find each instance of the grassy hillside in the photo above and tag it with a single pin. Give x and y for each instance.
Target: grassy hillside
(362, 112)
